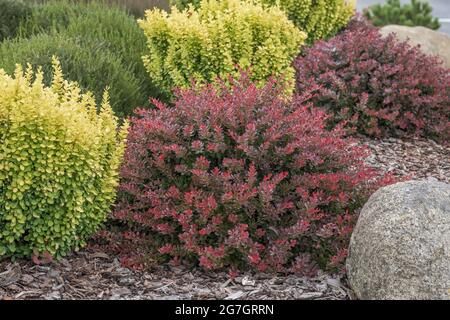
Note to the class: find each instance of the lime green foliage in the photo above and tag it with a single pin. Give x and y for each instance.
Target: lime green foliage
(217, 40)
(59, 163)
(113, 33)
(12, 12)
(417, 13)
(91, 64)
(318, 18)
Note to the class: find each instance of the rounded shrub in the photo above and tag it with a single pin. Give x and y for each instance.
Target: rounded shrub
(12, 12)
(52, 15)
(417, 13)
(217, 40)
(97, 22)
(59, 163)
(238, 177)
(183, 4)
(378, 86)
(91, 64)
(319, 19)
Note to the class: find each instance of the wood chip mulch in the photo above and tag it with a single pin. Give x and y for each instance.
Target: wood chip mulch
(418, 158)
(95, 275)
(91, 274)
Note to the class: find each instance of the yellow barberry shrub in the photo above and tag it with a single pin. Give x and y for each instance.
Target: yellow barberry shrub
(59, 161)
(219, 39)
(318, 18)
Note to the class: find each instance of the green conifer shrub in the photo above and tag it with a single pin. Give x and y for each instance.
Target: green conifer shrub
(417, 13)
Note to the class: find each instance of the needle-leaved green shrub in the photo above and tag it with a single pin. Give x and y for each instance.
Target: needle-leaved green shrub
(111, 28)
(91, 64)
(12, 12)
(416, 13)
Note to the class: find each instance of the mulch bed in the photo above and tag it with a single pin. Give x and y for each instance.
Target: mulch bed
(418, 158)
(90, 274)
(95, 275)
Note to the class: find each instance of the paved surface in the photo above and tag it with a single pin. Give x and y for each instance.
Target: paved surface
(441, 9)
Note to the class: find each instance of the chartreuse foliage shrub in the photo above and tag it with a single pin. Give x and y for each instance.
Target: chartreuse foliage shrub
(59, 162)
(379, 86)
(110, 29)
(321, 18)
(91, 64)
(417, 13)
(12, 12)
(318, 18)
(219, 39)
(238, 177)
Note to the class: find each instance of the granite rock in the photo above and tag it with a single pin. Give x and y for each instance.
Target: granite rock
(400, 247)
(431, 42)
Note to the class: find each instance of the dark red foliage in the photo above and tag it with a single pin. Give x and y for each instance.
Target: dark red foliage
(378, 86)
(240, 178)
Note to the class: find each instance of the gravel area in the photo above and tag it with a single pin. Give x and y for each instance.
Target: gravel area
(91, 274)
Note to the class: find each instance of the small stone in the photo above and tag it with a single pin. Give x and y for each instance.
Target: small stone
(247, 282)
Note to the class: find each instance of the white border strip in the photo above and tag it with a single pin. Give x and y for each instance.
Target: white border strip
(444, 20)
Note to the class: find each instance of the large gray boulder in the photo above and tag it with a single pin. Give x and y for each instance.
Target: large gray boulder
(431, 42)
(400, 248)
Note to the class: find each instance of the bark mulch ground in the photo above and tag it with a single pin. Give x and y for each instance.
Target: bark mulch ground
(92, 274)
(418, 158)
(95, 275)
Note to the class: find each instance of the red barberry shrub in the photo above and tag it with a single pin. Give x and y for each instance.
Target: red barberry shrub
(380, 87)
(237, 177)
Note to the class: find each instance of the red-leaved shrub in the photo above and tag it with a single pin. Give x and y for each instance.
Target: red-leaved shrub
(378, 86)
(239, 178)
